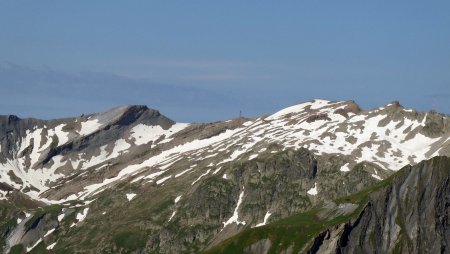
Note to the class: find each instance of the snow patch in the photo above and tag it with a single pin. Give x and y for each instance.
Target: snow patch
(217, 170)
(207, 172)
(63, 136)
(185, 171)
(120, 147)
(81, 216)
(137, 179)
(89, 127)
(248, 123)
(266, 218)
(171, 216)
(162, 180)
(251, 157)
(144, 134)
(153, 175)
(345, 168)
(376, 177)
(34, 245)
(49, 232)
(130, 196)
(318, 103)
(313, 191)
(51, 246)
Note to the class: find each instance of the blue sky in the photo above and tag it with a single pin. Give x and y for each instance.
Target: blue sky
(199, 61)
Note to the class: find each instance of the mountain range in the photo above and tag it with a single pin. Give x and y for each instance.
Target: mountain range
(317, 177)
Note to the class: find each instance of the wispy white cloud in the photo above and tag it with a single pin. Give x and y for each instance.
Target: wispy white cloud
(49, 93)
(223, 77)
(193, 63)
(190, 70)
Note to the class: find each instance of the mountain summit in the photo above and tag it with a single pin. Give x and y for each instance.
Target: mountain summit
(187, 187)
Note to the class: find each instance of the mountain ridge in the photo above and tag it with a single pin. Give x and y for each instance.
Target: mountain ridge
(209, 181)
(394, 103)
(82, 131)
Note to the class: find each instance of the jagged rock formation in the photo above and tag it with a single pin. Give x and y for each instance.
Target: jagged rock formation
(187, 187)
(410, 215)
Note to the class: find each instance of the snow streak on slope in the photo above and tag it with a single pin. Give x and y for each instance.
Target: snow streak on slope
(130, 196)
(235, 217)
(266, 219)
(89, 127)
(144, 134)
(313, 191)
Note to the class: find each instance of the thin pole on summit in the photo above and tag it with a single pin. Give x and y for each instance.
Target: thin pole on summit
(240, 113)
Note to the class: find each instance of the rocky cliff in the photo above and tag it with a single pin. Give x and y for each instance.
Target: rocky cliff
(406, 213)
(410, 215)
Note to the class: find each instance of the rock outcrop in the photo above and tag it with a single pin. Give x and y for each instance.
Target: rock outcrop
(410, 215)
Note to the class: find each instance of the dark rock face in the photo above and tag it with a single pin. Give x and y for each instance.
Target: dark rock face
(411, 215)
(12, 128)
(435, 125)
(351, 107)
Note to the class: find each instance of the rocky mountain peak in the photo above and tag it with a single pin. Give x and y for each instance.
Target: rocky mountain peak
(126, 115)
(394, 104)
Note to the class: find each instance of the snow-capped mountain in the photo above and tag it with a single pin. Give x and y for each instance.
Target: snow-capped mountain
(222, 177)
(38, 155)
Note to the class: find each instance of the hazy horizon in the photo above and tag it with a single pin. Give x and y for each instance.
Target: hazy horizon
(206, 61)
